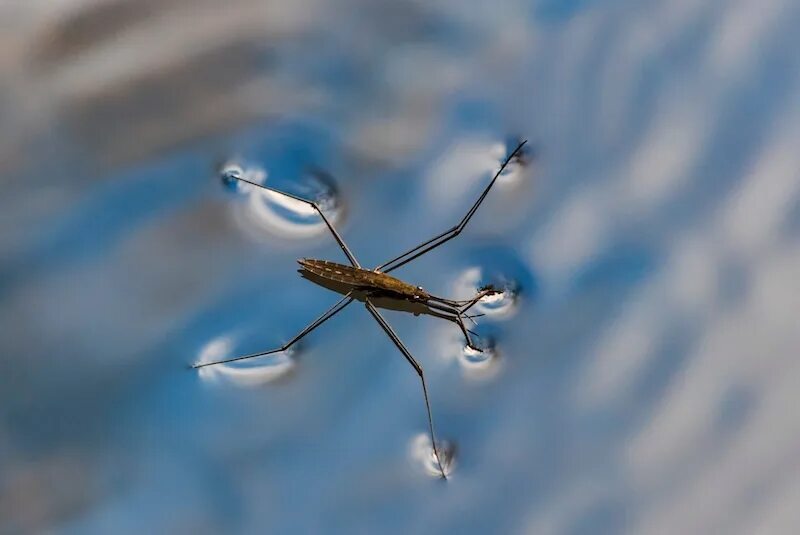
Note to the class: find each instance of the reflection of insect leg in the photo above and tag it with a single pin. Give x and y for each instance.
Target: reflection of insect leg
(390, 332)
(316, 207)
(447, 235)
(343, 302)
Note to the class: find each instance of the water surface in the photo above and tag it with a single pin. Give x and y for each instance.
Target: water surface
(642, 368)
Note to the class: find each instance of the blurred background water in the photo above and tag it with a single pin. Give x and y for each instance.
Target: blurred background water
(645, 372)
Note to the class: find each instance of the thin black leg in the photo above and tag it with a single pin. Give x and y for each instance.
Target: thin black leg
(390, 332)
(472, 302)
(454, 319)
(449, 234)
(458, 319)
(335, 309)
(463, 305)
(316, 207)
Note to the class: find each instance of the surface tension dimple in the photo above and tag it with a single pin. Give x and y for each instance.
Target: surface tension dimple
(423, 457)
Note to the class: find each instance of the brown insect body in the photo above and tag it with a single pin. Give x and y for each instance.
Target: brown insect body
(363, 279)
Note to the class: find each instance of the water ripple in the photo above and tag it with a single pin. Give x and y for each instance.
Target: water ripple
(500, 305)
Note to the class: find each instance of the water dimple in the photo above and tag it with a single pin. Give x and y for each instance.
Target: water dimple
(481, 356)
(478, 363)
(424, 458)
(273, 213)
(501, 304)
(231, 173)
(517, 165)
(248, 373)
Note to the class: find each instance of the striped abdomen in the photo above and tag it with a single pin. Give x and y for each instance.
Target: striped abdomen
(362, 279)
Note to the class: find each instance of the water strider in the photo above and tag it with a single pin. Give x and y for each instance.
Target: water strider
(377, 289)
